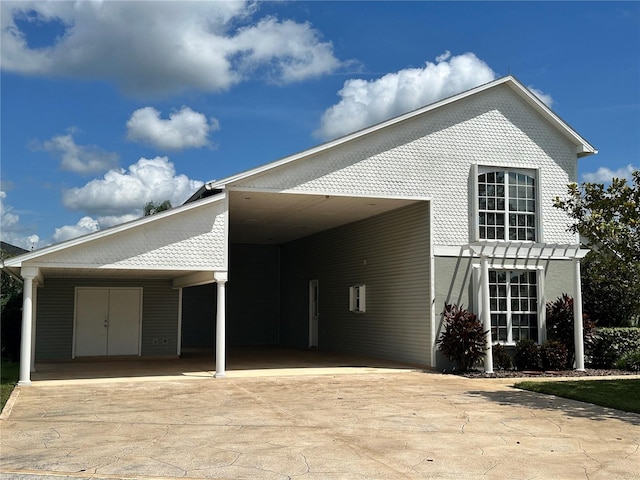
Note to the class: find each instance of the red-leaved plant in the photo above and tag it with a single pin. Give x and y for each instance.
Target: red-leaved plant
(463, 338)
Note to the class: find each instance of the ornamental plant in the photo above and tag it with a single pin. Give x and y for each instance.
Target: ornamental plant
(501, 358)
(528, 355)
(463, 339)
(554, 355)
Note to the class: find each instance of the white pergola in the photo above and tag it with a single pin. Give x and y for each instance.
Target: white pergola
(487, 250)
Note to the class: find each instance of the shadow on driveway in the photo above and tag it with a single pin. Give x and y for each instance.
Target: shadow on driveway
(542, 401)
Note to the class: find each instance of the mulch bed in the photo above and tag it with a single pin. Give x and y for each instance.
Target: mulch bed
(589, 372)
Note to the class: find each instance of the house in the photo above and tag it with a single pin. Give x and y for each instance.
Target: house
(354, 245)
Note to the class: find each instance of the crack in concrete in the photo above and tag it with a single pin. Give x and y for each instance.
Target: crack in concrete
(634, 452)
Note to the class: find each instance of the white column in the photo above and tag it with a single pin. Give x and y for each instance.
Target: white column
(577, 316)
(34, 315)
(28, 274)
(179, 348)
(485, 313)
(221, 280)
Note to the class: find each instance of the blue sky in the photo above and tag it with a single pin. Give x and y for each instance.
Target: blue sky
(107, 105)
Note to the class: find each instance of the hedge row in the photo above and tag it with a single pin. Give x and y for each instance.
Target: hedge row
(608, 344)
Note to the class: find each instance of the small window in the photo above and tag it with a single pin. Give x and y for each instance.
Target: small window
(357, 298)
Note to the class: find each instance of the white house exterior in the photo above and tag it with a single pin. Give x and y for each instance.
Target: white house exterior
(354, 246)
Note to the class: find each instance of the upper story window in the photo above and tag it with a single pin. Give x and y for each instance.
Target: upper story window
(506, 205)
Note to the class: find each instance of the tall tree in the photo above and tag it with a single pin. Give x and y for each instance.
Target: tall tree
(608, 218)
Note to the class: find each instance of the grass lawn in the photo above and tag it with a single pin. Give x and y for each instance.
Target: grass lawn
(620, 394)
(9, 372)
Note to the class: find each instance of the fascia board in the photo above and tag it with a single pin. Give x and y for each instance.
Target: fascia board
(18, 260)
(583, 148)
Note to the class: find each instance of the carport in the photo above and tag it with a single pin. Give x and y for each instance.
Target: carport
(239, 235)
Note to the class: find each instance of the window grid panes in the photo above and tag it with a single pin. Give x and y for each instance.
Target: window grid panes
(513, 304)
(506, 206)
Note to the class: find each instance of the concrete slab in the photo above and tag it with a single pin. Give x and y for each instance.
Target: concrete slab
(371, 424)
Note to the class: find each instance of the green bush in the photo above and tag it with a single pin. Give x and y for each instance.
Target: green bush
(607, 345)
(528, 355)
(554, 355)
(629, 361)
(501, 358)
(463, 339)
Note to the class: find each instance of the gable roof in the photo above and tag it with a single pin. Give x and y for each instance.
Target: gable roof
(583, 148)
(14, 263)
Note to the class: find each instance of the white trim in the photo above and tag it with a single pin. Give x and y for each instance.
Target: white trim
(474, 228)
(432, 288)
(540, 296)
(115, 266)
(452, 250)
(325, 192)
(542, 307)
(194, 279)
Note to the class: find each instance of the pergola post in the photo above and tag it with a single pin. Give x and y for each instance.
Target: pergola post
(486, 313)
(221, 280)
(577, 316)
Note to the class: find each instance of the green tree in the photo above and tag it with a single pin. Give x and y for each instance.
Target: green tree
(152, 208)
(10, 307)
(608, 218)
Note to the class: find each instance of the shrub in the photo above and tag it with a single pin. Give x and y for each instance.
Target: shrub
(528, 355)
(629, 361)
(609, 344)
(463, 339)
(501, 358)
(554, 355)
(560, 325)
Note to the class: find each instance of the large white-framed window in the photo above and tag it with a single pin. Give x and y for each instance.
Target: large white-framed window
(514, 305)
(506, 204)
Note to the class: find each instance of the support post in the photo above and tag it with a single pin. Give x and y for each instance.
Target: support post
(221, 280)
(578, 335)
(486, 313)
(28, 274)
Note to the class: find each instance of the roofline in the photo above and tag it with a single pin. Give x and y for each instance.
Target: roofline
(89, 237)
(583, 148)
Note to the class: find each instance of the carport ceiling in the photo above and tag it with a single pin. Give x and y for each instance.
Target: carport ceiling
(276, 218)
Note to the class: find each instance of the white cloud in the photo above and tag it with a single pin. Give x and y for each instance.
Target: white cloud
(163, 47)
(605, 175)
(85, 225)
(84, 159)
(544, 97)
(11, 231)
(183, 129)
(121, 194)
(365, 103)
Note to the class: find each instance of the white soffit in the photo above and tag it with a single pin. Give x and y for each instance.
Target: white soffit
(276, 218)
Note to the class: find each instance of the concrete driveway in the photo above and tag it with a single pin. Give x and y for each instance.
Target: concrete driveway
(358, 424)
